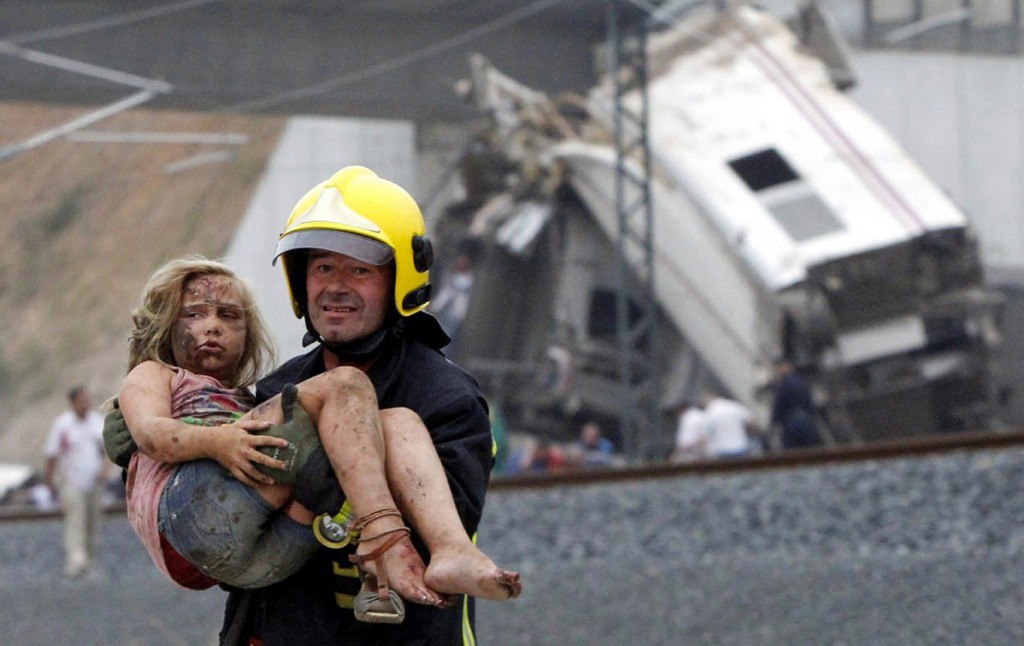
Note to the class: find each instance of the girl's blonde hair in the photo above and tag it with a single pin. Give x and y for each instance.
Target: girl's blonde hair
(160, 306)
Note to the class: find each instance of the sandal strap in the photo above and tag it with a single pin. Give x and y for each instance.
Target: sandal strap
(363, 521)
(398, 532)
(382, 571)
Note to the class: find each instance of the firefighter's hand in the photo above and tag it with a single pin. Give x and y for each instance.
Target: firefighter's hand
(117, 440)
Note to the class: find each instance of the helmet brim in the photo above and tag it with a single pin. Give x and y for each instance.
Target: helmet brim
(353, 245)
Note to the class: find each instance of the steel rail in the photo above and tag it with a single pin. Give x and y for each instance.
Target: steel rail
(792, 459)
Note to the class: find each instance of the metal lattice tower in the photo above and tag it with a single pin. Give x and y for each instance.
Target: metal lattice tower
(635, 305)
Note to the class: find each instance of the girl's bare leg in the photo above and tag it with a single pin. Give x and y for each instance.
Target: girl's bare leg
(419, 486)
(343, 405)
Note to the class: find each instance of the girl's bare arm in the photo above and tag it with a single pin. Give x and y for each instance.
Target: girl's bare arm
(145, 401)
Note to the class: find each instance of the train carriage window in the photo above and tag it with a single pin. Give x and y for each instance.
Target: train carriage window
(764, 169)
(790, 200)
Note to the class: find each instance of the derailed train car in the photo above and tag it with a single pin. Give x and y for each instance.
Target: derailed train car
(786, 223)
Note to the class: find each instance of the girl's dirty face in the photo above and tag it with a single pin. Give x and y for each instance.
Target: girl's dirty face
(209, 335)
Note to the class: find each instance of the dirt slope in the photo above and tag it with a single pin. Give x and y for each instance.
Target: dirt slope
(83, 225)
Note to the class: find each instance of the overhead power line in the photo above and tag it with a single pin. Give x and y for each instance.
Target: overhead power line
(136, 99)
(118, 137)
(398, 62)
(105, 23)
(87, 69)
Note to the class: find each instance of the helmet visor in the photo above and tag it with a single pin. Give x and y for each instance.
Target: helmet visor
(353, 245)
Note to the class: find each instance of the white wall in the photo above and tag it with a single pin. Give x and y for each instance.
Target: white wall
(962, 118)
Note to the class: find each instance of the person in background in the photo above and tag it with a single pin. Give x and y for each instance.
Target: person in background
(691, 433)
(592, 449)
(76, 472)
(793, 408)
(451, 304)
(536, 456)
(729, 427)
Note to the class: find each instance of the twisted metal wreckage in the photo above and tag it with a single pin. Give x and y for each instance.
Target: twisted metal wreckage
(786, 222)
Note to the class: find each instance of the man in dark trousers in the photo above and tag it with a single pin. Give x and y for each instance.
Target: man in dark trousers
(793, 408)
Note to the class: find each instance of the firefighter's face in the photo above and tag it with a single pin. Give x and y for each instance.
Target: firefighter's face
(348, 299)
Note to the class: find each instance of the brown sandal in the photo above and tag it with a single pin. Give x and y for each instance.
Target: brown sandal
(380, 606)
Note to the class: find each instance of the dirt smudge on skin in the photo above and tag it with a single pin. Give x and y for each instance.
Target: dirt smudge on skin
(262, 410)
(215, 290)
(183, 339)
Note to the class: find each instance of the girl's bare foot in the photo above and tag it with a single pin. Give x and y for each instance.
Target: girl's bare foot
(470, 572)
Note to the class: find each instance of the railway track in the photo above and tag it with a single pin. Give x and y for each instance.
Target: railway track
(902, 448)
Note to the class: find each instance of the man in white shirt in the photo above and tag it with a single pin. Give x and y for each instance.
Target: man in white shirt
(691, 434)
(76, 462)
(728, 425)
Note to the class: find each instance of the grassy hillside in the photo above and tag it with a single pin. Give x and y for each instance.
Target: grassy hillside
(83, 225)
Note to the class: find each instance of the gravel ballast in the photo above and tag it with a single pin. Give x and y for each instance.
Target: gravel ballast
(923, 550)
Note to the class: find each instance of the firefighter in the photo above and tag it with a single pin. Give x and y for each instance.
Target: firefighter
(345, 233)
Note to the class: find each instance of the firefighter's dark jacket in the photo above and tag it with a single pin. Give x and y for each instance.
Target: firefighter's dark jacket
(303, 609)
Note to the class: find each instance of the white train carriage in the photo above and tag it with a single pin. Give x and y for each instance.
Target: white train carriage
(787, 222)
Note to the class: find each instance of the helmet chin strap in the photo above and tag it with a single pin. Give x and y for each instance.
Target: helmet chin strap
(358, 351)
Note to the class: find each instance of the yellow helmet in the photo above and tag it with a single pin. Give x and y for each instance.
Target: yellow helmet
(358, 214)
